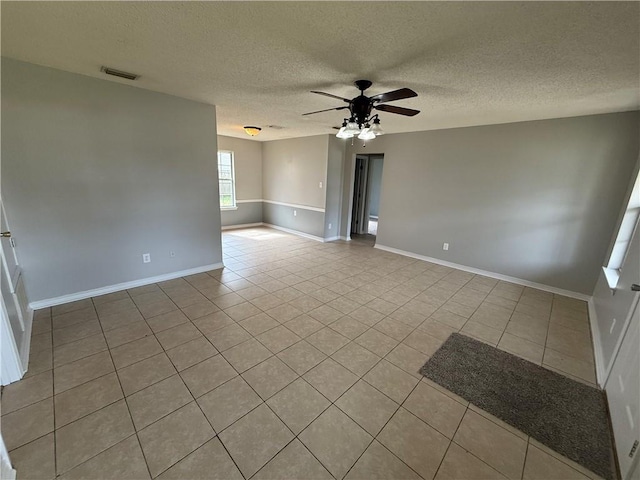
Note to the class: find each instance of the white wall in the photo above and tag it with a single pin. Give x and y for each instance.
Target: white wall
(95, 173)
(533, 200)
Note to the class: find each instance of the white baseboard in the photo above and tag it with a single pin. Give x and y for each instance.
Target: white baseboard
(332, 239)
(295, 232)
(346, 239)
(242, 225)
(51, 302)
(601, 370)
(497, 276)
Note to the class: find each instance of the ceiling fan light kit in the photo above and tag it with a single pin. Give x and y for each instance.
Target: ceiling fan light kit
(360, 122)
(252, 131)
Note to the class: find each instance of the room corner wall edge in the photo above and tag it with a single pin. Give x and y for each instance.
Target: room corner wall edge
(51, 302)
(497, 276)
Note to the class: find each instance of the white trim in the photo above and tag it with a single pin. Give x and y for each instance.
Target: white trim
(50, 302)
(284, 204)
(11, 368)
(6, 472)
(497, 276)
(295, 205)
(226, 209)
(242, 225)
(331, 239)
(612, 276)
(346, 239)
(295, 232)
(26, 342)
(621, 337)
(601, 371)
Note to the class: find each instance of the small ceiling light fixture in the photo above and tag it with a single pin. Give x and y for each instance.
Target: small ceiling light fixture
(376, 129)
(252, 131)
(342, 133)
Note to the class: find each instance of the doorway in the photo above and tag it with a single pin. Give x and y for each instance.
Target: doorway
(366, 198)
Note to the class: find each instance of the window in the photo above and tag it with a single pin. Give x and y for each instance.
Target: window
(226, 177)
(625, 233)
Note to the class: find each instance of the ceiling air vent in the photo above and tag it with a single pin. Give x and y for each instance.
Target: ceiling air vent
(275, 127)
(119, 73)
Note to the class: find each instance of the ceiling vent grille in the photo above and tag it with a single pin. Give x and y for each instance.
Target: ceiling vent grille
(119, 73)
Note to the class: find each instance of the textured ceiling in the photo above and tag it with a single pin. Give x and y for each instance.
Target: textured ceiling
(471, 63)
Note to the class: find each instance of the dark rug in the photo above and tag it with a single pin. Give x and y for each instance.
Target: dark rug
(567, 416)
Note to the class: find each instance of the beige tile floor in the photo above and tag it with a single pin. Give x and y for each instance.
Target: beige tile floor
(297, 361)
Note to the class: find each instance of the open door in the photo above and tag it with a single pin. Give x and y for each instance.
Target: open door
(366, 195)
(623, 383)
(15, 315)
(623, 393)
(359, 214)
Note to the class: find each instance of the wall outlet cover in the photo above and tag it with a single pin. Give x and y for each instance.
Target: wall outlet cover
(146, 258)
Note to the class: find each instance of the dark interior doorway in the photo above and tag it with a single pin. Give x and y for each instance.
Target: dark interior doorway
(366, 198)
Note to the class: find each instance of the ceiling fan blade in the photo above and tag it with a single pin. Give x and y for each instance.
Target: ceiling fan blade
(399, 110)
(394, 95)
(326, 110)
(332, 96)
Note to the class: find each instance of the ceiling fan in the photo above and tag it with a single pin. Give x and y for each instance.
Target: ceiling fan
(360, 107)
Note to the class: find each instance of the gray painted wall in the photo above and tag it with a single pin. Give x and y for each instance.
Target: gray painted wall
(250, 212)
(291, 173)
(533, 200)
(375, 183)
(95, 173)
(305, 221)
(292, 170)
(335, 167)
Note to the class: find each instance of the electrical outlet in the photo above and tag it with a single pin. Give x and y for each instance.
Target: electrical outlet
(330, 226)
(320, 184)
(172, 254)
(445, 246)
(146, 258)
(295, 213)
